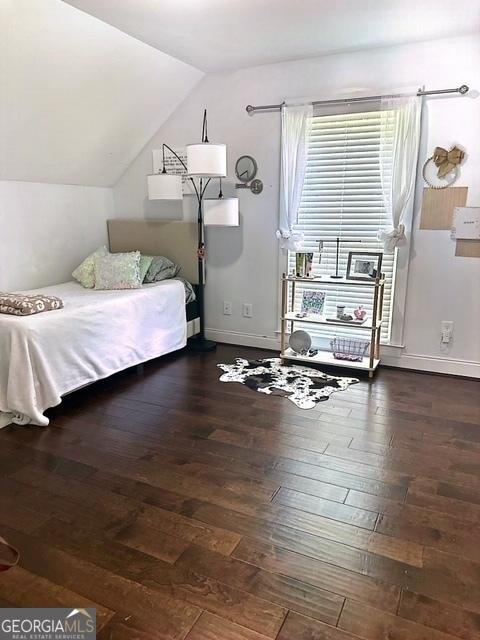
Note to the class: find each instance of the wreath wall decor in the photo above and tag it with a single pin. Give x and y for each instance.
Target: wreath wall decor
(447, 163)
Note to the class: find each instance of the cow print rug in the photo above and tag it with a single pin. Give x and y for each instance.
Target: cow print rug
(305, 387)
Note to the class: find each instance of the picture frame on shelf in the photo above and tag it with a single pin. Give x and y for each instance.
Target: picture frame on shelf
(299, 265)
(364, 265)
(303, 264)
(313, 302)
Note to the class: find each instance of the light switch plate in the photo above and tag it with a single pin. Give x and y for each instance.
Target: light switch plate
(247, 310)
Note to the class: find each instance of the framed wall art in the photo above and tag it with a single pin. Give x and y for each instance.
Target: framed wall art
(466, 223)
(313, 302)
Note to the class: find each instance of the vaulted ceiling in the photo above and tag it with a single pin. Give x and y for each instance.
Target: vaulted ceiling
(79, 98)
(216, 35)
(85, 84)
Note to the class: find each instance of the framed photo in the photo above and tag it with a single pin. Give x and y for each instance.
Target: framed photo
(363, 265)
(313, 302)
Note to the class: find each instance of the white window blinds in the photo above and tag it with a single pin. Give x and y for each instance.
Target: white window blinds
(342, 197)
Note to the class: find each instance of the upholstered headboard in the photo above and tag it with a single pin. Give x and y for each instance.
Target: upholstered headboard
(176, 240)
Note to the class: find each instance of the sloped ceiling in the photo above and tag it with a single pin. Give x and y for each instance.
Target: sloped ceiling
(219, 35)
(79, 98)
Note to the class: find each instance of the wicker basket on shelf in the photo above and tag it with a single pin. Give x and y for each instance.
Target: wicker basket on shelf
(352, 349)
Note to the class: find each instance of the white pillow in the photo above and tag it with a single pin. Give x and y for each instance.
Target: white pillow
(118, 271)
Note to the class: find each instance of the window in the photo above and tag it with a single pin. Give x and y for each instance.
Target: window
(342, 197)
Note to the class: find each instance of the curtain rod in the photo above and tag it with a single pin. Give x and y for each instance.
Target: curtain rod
(463, 89)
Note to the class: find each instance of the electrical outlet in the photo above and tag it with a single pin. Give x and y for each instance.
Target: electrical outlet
(447, 331)
(247, 310)
(227, 308)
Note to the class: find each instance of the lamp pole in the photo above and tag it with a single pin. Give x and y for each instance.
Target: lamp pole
(198, 342)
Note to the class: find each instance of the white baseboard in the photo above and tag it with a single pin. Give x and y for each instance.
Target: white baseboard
(391, 356)
(433, 365)
(243, 339)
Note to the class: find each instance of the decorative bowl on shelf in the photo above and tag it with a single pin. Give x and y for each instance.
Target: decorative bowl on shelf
(300, 341)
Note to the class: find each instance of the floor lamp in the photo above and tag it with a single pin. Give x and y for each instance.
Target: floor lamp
(205, 161)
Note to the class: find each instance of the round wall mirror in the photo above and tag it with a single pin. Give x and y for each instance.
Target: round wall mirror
(246, 168)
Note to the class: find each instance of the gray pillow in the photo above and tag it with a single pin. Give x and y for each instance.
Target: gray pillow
(161, 269)
(189, 290)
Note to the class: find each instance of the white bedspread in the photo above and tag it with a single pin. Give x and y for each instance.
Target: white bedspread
(96, 334)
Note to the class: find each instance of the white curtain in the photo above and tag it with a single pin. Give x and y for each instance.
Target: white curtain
(296, 126)
(398, 169)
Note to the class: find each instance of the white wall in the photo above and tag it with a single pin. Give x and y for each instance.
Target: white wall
(242, 263)
(46, 230)
(79, 98)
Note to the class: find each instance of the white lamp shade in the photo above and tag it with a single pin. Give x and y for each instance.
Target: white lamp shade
(221, 212)
(164, 186)
(207, 160)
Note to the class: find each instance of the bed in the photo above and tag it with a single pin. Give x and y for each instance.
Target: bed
(97, 333)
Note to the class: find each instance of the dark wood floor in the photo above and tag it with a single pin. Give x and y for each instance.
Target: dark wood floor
(182, 507)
